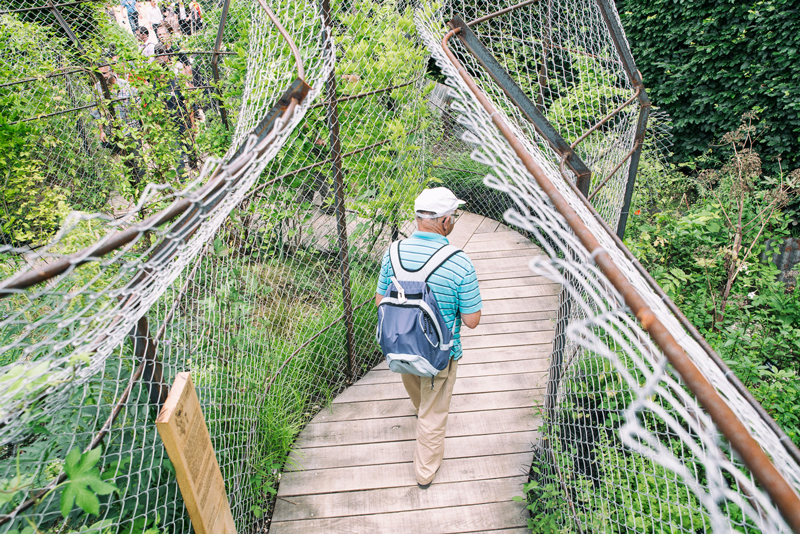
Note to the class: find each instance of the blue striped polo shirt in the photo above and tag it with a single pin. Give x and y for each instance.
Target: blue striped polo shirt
(454, 284)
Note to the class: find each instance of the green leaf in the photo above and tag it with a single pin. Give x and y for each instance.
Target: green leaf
(84, 482)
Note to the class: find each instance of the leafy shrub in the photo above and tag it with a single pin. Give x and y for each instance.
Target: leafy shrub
(31, 209)
(707, 63)
(706, 254)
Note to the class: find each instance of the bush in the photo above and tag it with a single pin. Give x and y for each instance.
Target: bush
(708, 62)
(706, 254)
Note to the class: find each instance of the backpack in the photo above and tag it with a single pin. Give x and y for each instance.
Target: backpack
(411, 331)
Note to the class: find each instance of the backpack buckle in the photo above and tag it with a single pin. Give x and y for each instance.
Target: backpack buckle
(401, 293)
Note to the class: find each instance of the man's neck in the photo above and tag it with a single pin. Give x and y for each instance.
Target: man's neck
(431, 228)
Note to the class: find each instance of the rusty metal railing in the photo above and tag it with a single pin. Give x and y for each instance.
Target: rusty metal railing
(756, 460)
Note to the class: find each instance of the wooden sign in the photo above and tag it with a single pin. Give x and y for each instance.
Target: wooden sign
(183, 430)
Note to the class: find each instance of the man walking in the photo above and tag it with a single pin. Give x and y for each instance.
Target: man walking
(455, 286)
(133, 14)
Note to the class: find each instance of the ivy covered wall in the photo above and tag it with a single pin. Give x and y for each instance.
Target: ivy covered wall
(707, 62)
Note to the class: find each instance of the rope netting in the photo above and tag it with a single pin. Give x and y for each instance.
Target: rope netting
(232, 194)
(625, 445)
(237, 276)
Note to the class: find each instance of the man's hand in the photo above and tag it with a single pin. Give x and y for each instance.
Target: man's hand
(471, 320)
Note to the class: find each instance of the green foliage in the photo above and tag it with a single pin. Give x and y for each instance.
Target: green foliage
(31, 209)
(589, 95)
(83, 482)
(688, 246)
(707, 63)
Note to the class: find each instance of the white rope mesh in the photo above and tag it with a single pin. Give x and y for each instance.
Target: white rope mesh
(67, 362)
(662, 421)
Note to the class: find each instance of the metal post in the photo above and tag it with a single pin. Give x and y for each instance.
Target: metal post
(223, 113)
(144, 347)
(338, 180)
(557, 359)
(546, 42)
(632, 170)
(608, 11)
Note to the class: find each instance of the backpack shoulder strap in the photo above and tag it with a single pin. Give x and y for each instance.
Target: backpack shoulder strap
(436, 261)
(397, 266)
(423, 273)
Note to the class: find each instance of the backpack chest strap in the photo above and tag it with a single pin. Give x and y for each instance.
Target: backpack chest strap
(423, 273)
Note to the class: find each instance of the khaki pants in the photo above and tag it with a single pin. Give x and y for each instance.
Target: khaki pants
(432, 407)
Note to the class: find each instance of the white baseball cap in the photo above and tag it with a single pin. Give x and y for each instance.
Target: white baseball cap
(438, 200)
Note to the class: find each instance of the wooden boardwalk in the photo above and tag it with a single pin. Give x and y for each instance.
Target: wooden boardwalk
(351, 470)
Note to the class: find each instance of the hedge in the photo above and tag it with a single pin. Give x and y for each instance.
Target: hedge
(707, 62)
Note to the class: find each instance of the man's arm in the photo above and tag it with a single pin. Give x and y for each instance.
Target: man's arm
(383, 278)
(471, 320)
(469, 297)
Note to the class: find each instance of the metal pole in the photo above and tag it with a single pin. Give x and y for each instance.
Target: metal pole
(608, 11)
(543, 79)
(223, 113)
(755, 459)
(144, 347)
(557, 359)
(338, 180)
(632, 170)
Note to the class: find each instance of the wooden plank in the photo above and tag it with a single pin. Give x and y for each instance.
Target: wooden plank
(464, 228)
(501, 231)
(473, 369)
(507, 340)
(447, 520)
(488, 225)
(393, 475)
(500, 354)
(547, 315)
(374, 409)
(386, 500)
(379, 453)
(519, 292)
(529, 304)
(504, 241)
(520, 272)
(508, 328)
(501, 254)
(183, 430)
(464, 386)
(405, 428)
(524, 280)
(505, 266)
